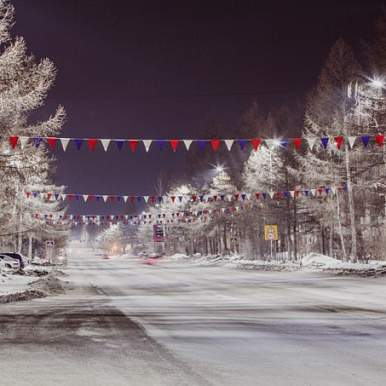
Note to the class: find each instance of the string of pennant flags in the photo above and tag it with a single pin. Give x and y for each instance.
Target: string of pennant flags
(184, 198)
(158, 217)
(174, 144)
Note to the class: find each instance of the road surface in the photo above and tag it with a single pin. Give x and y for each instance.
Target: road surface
(123, 322)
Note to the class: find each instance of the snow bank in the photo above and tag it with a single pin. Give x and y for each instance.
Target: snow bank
(315, 259)
(22, 284)
(178, 256)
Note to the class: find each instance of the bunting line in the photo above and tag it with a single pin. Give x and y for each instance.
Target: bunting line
(182, 198)
(174, 144)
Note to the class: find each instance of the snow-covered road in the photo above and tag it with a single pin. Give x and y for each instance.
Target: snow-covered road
(214, 325)
(237, 327)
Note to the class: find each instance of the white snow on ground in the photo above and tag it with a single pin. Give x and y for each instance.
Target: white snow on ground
(39, 281)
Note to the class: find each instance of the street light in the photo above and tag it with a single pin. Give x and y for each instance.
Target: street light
(378, 82)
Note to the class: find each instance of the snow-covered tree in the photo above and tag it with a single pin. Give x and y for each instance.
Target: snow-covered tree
(24, 84)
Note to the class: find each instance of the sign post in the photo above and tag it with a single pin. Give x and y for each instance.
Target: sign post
(271, 234)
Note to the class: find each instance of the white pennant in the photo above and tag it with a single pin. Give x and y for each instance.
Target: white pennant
(229, 196)
(270, 143)
(147, 143)
(64, 142)
(146, 198)
(351, 141)
(85, 197)
(105, 143)
(271, 194)
(229, 143)
(313, 191)
(125, 198)
(248, 196)
(333, 190)
(292, 193)
(105, 198)
(23, 141)
(64, 196)
(311, 142)
(187, 143)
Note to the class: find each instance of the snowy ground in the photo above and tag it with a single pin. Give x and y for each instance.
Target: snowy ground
(40, 281)
(31, 283)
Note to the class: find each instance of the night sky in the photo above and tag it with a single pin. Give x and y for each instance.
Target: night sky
(155, 69)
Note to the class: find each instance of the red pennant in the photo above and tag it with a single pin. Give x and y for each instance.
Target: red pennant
(256, 143)
(28, 194)
(173, 198)
(257, 195)
(121, 216)
(70, 197)
(380, 139)
(320, 191)
(174, 143)
(338, 141)
(215, 143)
(92, 143)
(278, 194)
(218, 210)
(297, 193)
(297, 142)
(90, 197)
(132, 198)
(194, 198)
(133, 144)
(13, 141)
(112, 198)
(215, 198)
(49, 195)
(152, 198)
(236, 196)
(51, 141)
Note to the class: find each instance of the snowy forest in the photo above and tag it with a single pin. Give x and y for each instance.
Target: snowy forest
(326, 196)
(24, 84)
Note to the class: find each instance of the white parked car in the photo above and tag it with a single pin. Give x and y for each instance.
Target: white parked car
(9, 262)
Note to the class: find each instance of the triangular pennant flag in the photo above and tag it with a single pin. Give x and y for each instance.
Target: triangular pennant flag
(242, 143)
(112, 198)
(365, 140)
(146, 198)
(311, 142)
(49, 195)
(187, 143)
(64, 142)
(278, 194)
(338, 141)
(379, 139)
(56, 195)
(306, 193)
(270, 143)
(327, 190)
(271, 194)
(292, 193)
(37, 141)
(236, 196)
(297, 142)
(85, 197)
(51, 141)
(64, 196)
(229, 143)
(147, 143)
(92, 143)
(256, 143)
(264, 195)
(105, 143)
(119, 143)
(13, 141)
(351, 141)
(313, 192)
(320, 191)
(283, 143)
(285, 193)
(28, 194)
(70, 197)
(105, 198)
(257, 195)
(297, 192)
(333, 190)
(78, 143)
(160, 143)
(23, 141)
(215, 143)
(133, 144)
(174, 143)
(173, 198)
(325, 142)
(201, 144)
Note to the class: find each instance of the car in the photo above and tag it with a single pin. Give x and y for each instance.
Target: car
(105, 256)
(143, 254)
(9, 262)
(16, 256)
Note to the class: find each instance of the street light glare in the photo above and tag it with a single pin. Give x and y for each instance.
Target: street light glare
(378, 82)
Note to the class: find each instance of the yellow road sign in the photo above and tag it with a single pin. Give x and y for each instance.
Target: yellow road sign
(270, 232)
